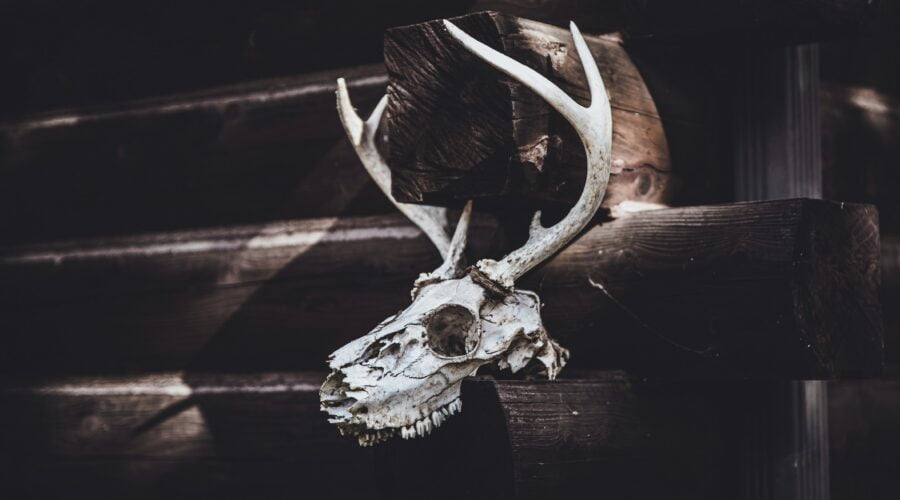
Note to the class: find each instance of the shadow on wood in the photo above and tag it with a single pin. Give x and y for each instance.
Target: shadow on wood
(171, 436)
(251, 153)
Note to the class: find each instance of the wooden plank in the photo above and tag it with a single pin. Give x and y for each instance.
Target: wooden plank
(760, 290)
(864, 438)
(243, 298)
(459, 129)
(175, 435)
(741, 278)
(262, 151)
(262, 435)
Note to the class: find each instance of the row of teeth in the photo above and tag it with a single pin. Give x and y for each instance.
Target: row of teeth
(374, 437)
(420, 428)
(427, 424)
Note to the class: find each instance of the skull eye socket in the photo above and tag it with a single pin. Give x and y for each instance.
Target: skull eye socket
(450, 331)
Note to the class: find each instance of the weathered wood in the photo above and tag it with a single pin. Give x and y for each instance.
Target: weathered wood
(262, 435)
(565, 439)
(722, 20)
(176, 436)
(770, 290)
(243, 154)
(459, 129)
(754, 273)
(254, 297)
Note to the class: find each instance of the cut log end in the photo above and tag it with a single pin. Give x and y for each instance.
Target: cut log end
(459, 129)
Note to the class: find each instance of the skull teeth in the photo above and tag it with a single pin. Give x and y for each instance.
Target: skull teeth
(421, 427)
(424, 426)
(372, 438)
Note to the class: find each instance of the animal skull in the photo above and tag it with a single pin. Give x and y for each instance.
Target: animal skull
(404, 377)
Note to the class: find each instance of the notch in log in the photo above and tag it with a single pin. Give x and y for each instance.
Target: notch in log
(458, 129)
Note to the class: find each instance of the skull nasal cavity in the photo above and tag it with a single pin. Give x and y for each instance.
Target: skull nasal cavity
(450, 331)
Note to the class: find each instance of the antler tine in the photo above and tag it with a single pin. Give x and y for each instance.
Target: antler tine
(594, 127)
(454, 261)
(430, 219)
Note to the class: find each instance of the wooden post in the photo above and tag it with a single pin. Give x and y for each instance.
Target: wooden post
(783, 426)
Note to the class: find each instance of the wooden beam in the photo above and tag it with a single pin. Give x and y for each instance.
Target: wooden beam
(175, 435)
(688, 298)
(459, 129)
(256, 152)
(166, 435)
(171, 434)
(759, 290)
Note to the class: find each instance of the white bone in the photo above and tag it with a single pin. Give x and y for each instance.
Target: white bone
(594, 127)
(430, 219)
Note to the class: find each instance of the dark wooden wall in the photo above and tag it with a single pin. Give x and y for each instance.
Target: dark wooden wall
(146, 126)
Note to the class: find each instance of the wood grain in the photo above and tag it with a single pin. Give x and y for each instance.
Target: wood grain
(728, 290)
(241, 298)
(459, 129)
(704, 288)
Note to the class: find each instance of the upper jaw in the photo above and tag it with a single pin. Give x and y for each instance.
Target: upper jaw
(420, 427)
(344, 411)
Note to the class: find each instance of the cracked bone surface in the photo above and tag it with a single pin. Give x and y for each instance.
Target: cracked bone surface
(403, 378)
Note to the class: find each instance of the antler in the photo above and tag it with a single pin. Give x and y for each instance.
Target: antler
(431, 220)
(594, 127)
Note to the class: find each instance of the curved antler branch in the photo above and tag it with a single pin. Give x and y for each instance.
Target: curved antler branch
(594, 127)
(430, 219)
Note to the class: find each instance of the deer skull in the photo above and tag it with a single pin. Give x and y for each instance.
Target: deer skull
(403, 378)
